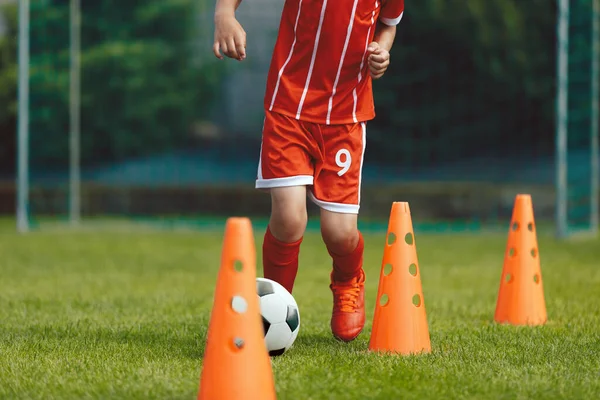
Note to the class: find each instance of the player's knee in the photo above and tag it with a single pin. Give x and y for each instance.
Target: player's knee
(340, 234)
(288, 213)
(288, 225)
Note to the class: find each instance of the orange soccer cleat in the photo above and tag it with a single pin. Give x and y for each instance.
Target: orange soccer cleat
(348, 316)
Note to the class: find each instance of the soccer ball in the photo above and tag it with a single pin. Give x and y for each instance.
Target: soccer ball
(280, 316)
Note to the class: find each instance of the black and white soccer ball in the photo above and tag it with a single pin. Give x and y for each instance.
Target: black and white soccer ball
(280, 316)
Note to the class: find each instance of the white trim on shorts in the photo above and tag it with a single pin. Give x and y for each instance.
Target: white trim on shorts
(298, 180)
(334, 207)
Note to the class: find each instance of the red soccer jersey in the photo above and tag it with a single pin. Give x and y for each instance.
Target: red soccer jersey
(319, 70)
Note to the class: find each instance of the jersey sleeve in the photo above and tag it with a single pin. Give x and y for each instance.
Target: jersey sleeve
(391, 12)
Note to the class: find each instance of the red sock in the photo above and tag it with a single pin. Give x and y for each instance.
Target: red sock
(347, 266)
(280, 260)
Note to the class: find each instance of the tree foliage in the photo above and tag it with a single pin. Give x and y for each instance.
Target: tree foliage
(141, 84)
(465, 74)
(8, 90)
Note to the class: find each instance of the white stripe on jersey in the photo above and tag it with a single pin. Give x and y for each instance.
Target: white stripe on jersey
(312, 61)
(337, 77)
(392, 22)
(288, 59)
(362, 63)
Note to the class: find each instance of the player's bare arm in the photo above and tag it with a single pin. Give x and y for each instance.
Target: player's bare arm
(230, 37)
(379, 50)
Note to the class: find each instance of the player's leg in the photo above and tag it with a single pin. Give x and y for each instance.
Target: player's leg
(344, 243)
(345, 246)
(281, 244)
(285, 168)
(337, 192)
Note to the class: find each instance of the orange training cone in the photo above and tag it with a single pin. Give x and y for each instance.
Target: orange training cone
(236, 362)
(521, 296)
(400, 322)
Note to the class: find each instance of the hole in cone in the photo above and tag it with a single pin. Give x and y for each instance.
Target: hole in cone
(508, 278)
(238, 343)
(391, 239)
(515, 226)
(530, 226)
(408, 238)
(416, 300)
(387, 269)
(239, 304)
(412, 269)
(238, 266)
(383, 300)
(536, 278)
(533, 252)
(512, 252)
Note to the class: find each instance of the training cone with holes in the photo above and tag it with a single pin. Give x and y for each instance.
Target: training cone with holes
(400, 322)
(521, 295)
(236, 363)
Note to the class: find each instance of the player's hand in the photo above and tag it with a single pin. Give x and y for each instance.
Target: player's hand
(230, 38)
(379, 60)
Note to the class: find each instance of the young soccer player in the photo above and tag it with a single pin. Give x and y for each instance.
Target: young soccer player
(317, 103)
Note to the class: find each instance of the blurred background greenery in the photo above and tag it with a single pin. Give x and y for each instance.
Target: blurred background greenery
(469, 99)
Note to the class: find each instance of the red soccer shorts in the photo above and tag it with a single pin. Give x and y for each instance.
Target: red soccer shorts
(328, 158)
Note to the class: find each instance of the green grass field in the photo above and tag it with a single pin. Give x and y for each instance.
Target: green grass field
(123, 314)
